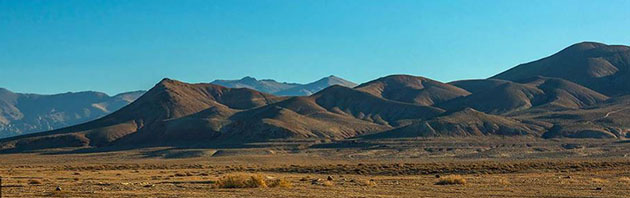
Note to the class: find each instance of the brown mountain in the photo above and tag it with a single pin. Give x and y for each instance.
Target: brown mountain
(600, 67)
(501, 96)
(29, 113)
(412, 89)
(609, 119)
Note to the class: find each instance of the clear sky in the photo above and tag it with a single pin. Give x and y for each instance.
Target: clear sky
(115, 46)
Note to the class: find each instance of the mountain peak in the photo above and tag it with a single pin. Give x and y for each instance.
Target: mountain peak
(412, 89)
(248, 78)
(167, 81)
(317, 86)
(581, 47)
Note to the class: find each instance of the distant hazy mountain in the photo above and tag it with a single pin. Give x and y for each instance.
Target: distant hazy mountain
(265, 85)
(28, 113)
(314, 87)
(283, 88)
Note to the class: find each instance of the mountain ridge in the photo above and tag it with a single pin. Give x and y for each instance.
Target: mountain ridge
(26, 113)
(284, 88)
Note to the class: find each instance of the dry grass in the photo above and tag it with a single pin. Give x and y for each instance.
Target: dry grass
(366, 182)
(624, 179)
(598, 180)
(410, 177)
(250, 181)
(241, 181)
(451, 180)
(283, 183)
(503, 181)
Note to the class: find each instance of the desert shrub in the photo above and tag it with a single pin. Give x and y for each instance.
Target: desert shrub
(35, 182)
(328, 183)
(365, 182)
(451, 180)
(241, 181)
(598, 180)
(283, 183)
(503, 181)
(625, 179)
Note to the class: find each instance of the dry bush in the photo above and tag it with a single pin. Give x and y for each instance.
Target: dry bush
(328, 183)
(503, 181)
(35, 182)
(624, 179)
(451, 180)
(241, 181)
(283, 183)
(598, 180)
(366, 182)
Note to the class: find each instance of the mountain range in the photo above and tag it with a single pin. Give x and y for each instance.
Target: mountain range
(28, 113)
(283, 88)
(579, 92)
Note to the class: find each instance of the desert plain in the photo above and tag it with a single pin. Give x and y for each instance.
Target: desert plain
(490, 167)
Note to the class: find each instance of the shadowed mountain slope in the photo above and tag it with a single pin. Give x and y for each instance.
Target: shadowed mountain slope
(600, 67)
(500, 96)
(467, 122)
(609, 119)
(412, 89)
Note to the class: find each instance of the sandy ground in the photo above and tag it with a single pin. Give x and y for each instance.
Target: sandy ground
(166, 172)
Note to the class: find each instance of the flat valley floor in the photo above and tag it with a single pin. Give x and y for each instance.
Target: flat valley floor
(410, 168)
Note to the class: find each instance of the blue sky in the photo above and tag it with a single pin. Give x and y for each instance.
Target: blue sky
(115, 46)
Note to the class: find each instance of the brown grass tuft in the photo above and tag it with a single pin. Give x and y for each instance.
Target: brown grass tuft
(366, 182)
(283, 183)
(241, 181)
(451, 180)
(503, 181)
(624, 179)
(598, 180)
